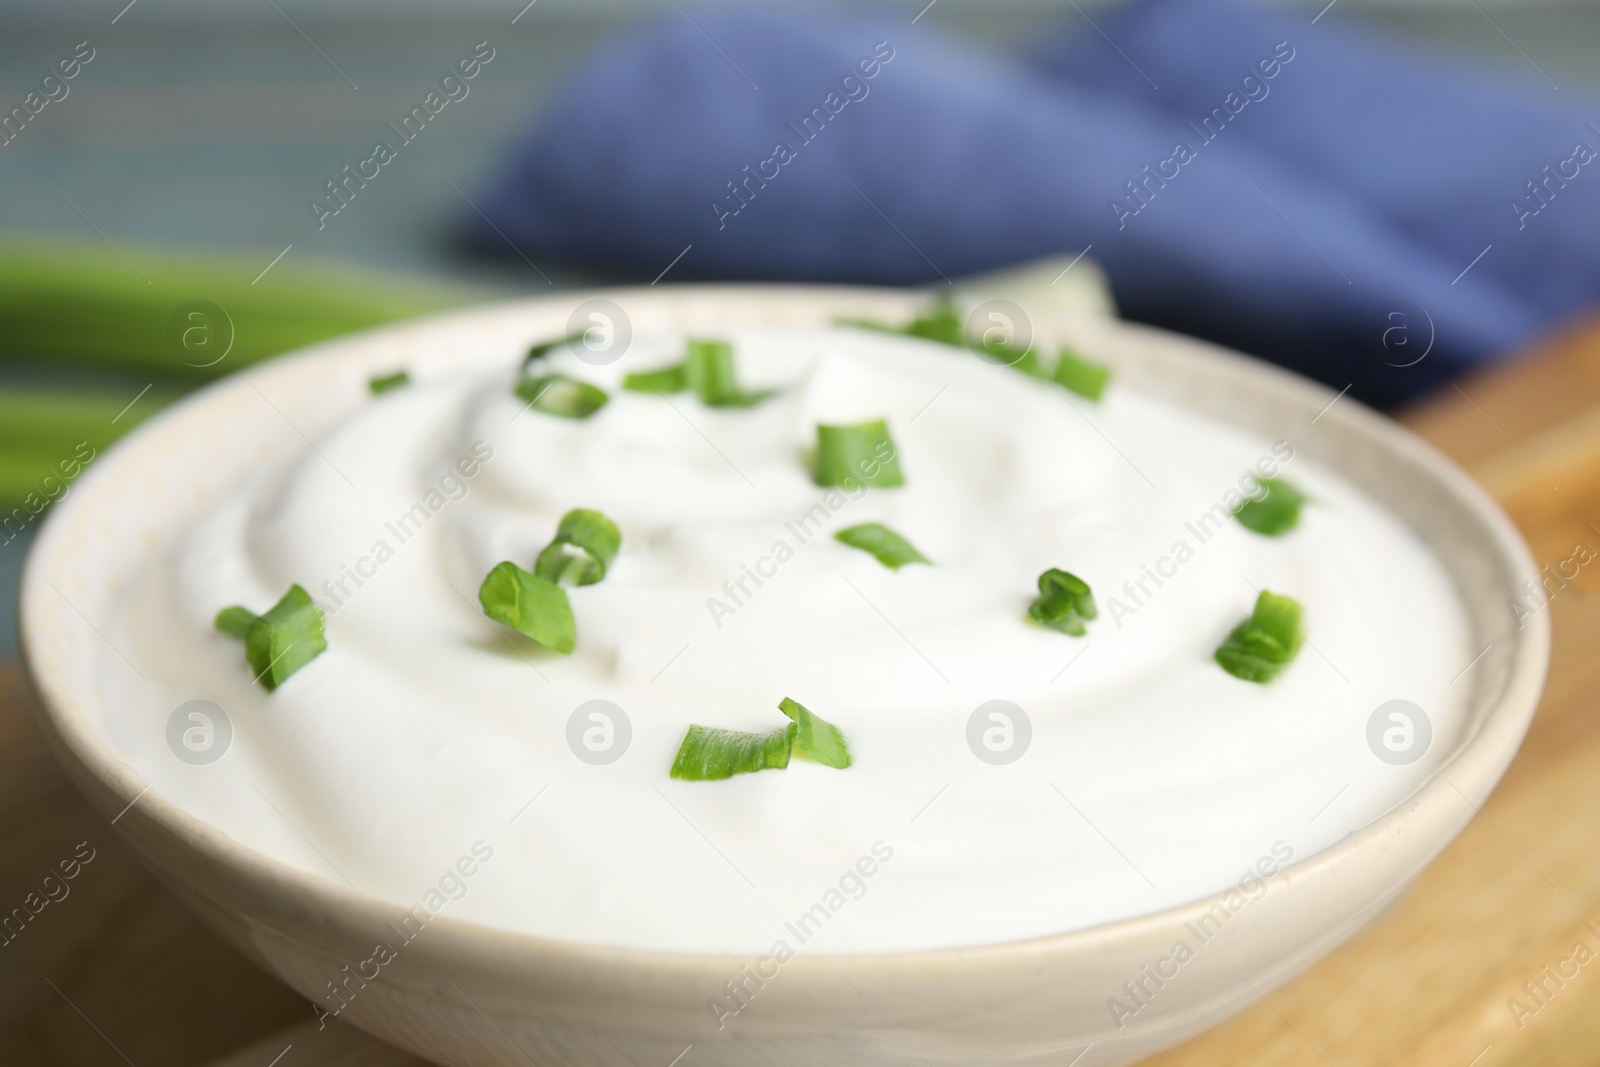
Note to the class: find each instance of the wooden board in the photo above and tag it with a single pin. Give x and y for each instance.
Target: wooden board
(117, 972)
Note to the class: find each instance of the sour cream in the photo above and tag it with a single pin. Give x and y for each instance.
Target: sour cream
(1125, 772)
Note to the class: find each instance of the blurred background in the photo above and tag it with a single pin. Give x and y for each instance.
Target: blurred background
(183, 156)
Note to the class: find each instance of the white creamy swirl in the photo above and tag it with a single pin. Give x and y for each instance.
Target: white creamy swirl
(1151, 777)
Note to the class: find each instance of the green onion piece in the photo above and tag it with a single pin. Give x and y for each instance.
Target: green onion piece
(1260, 648)
(708, 754)
(891, 550)
(942, 324)
(585, 544)
(385, 382)
(945, 325)
(816, 738)
(281, 641)
(1081, 376)
(1022, 360)
(1065, 602)
(1274, 514)
(673, 379)
(539, 351)
(236, 621)
(556, 394)
(862, 454)
(530, 605)
(709, 372)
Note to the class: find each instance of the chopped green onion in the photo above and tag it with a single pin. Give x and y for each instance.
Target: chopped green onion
(585, 544)
(709, 754)
(1023, 360)
(1274, 514)
(1027, 363)
(862, 454)
(673, 379)
(281, 641)
(942, 324)
(708, 371)
(1260, 647)
(236, 621)
(815, 738)
(891, 550)
(385, 382)
(1081, 376)
(530, 605)
(945, 325)
(1065, 602)
(556, 394)
(539, 351)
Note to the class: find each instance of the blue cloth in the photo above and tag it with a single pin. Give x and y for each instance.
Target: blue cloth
(1325, 227)
(1452, 159)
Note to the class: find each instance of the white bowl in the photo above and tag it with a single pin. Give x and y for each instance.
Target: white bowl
(466, 993)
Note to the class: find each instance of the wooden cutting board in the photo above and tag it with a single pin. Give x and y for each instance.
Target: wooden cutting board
(117, 972)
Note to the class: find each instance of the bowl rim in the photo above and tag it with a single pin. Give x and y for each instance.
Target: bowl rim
(65, 716)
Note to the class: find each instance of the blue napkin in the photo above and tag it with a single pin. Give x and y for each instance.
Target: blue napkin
(844, 148)
(1454, 159)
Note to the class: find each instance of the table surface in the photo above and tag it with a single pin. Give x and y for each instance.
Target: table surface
(119, 972)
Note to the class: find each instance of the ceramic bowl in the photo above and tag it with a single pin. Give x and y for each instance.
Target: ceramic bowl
(467, 993)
